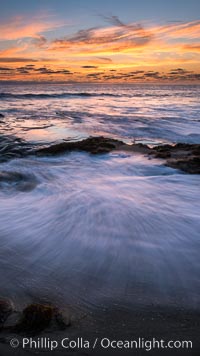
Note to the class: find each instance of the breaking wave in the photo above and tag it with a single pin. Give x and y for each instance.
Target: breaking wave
(56, 96)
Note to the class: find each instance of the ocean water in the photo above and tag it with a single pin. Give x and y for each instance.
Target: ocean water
(141, 112)
(95, 229)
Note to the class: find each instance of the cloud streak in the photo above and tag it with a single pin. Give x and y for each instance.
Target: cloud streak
(17, 60)
(119, 51)
(116, 38)
(21, 27)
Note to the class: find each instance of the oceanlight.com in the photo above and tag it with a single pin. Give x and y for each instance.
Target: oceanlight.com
(103, 343)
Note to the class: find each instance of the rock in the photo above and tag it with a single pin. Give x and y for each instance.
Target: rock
(12, 147)
(188, 165)
(6, 308)
(17, 180)
(196, 150)
(1, 115)
(166, 154)
(35, 318)
(163, 148)
(10, 177)
(139, 147)
(94, 145)
(183, 156)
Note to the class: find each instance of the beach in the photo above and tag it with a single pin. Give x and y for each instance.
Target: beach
(99, 214)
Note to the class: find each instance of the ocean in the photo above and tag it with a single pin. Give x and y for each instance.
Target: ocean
(162, 113)
(88, 229)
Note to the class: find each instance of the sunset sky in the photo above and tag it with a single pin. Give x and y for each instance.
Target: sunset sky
(100, 41)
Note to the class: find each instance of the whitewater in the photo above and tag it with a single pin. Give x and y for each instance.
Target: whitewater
(96, 229)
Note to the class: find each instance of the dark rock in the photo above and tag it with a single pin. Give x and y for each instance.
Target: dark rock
(14, 147)
(1, 115)
(139, 147)
(94, 145)
(161, 154)
(183, 156)
(17, 180)
(37, 317)
(196, 150)
(163, 148)
(6, 308)
(189, 165)
(10, 177)
(183, 146)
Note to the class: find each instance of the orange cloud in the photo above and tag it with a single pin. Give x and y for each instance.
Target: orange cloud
(115, 47)
(189, 30)
(192, 48)
(20, 27)
(138, 46)
(104, 40)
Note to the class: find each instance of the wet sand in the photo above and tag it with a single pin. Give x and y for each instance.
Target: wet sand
(116, 323)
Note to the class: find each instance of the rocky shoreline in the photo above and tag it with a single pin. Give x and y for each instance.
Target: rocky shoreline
(185, 157)
(182, 156)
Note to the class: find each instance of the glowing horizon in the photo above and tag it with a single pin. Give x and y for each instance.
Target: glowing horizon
(45, 47)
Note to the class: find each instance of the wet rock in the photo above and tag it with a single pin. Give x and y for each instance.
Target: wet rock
(6, 308)
(166, 154)
(13, 147)
(163, 148)
(138, 147)
(16, 180)
(184, 146)
(183, 156)
(37, 317)
(10, 176)
(94, 145)
(188, 165)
